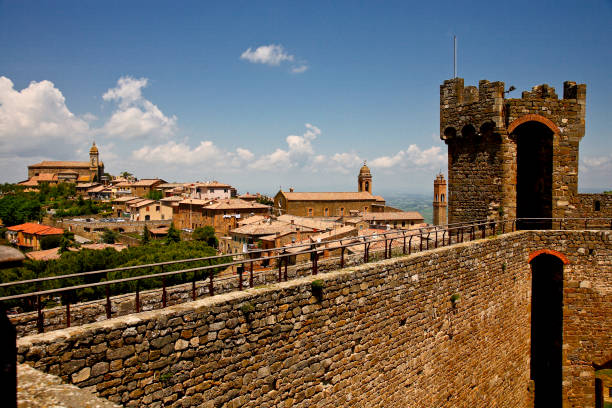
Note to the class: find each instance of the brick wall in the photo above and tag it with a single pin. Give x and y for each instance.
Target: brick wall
(382, 334)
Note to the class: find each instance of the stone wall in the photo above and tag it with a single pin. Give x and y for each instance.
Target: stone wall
(446, 328)
(585, 206)
(480, 128)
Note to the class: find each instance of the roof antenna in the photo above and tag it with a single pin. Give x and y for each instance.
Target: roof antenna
(454, 56)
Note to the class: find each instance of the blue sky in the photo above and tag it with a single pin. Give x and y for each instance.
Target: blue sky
(269, 94)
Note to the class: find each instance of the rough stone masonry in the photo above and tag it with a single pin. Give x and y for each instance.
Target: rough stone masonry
(448, 327)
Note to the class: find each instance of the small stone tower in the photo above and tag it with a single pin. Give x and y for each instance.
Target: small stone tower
(96, 168)
(364, 181)
(439, 203)
(511, 157)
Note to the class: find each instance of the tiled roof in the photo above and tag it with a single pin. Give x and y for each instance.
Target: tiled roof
(36, 229)
(315, 223)
(379, 198)
(235, 204)
(329, 196)
(195, 201)
(44, 255)
(57, 164)
(251, 220)
(96, 189)
(123, 199)
(210, 184)
(265, 228)
(147, 182)
(84, 178)
(393, 216)
(142, 203)
(333, 233)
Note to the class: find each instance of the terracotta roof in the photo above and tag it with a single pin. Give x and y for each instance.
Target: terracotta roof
(159, 231)
(172, 199)
(142, 203)
(84, 178)
(36, 229)
(87, 185)
(28, 183)
(251, 220)
(329, 196)
(147, 182)
(59, 164)
(210, 184)
(379, 198)
(393, 216)
(170, 185)
(123, 184)
(44, 255)
(333, 233)
(315, 223)
(96, 189)
(116, 247)
(124, 199)
(10, 254)
(68, 172)
(235, 204)
(195, 201)
(266, 228)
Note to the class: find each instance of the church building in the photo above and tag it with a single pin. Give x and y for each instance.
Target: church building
(67, 171)
(331, 204)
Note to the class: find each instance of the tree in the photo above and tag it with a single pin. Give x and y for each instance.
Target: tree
(125, 174)
(66, 241)
(174, 235)
(108, 236)
(146, 236)
(51, 241)
(206, 234)
(154, 195)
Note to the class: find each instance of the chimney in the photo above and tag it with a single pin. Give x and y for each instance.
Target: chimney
(292, 222)
(299, 234)
(291, 189)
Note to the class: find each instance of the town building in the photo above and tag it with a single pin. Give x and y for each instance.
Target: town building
(29, 235)
(212, 190)
(331, 204)
(395, 219)
(439, 203)
(67, 171)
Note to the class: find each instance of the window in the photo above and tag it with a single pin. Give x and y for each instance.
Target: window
(341, 210)
(436, 197)
(610, 392)
(597, 205)
(326, 212)
(442, 198)
(365, 209)
(310, 212)
(225, 190)
(403, 223)
(157, 208)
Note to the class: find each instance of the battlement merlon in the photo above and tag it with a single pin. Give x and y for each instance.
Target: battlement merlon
(486, 109)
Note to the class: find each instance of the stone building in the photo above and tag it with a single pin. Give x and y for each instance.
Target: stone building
(439, 203)
(514, 157)
(331, 204)
(68, 171)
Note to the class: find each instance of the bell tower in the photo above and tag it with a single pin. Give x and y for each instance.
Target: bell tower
(439, 203)
(94, 162)
(364, 181)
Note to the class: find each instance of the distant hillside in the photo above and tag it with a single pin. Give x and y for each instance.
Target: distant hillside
(412, 202)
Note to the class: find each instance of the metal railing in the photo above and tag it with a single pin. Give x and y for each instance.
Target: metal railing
(411, 241)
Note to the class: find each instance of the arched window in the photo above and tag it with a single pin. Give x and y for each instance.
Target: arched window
(442, 198)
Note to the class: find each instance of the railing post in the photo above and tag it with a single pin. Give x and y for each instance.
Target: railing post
(386, 243)
(365, 252)
(239, 269)
(342, 256)
(461, 234)
(390, 247)
(286, 263)
(108, 302)
(40, 324)
(251, 276)
(8, 360)
(280, 266)
(138, 296)
(444, 238)
(315, 266)
(427, 241)
(436, 243)
(404, 247)
(484, 231)
(164, 297)
(410, 245)
(211, 286)
(193, 287)
(420, 240)
(67, 300)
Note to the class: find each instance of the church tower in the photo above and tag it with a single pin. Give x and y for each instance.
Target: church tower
(94, 163)
(439, 203)
(364, 181)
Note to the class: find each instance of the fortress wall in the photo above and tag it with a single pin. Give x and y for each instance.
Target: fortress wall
(587, 311)
(383, 334)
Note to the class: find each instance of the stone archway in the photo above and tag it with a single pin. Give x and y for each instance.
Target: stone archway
(547, 327)
(534, 136)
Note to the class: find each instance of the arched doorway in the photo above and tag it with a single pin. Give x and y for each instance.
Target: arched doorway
(547, 329)
(534, 164)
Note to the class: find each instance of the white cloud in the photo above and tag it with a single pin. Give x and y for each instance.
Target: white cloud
(299, 69)
(36, 120)
(298, 154)
(136, 116)
(413, 157)
(267, 54)
(274, 55)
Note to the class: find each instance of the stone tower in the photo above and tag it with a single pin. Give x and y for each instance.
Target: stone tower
(511, 157)
(96, 168)
(364, 181)
(439, 203)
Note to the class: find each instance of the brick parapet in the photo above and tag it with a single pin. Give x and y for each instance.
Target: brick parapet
(381, 334)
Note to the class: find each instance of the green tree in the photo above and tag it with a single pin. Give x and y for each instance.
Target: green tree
(108, 236)
(154, 195)
(146, 236)
(174, 235)
(206, 234)
(66, 241)
(51, 241)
